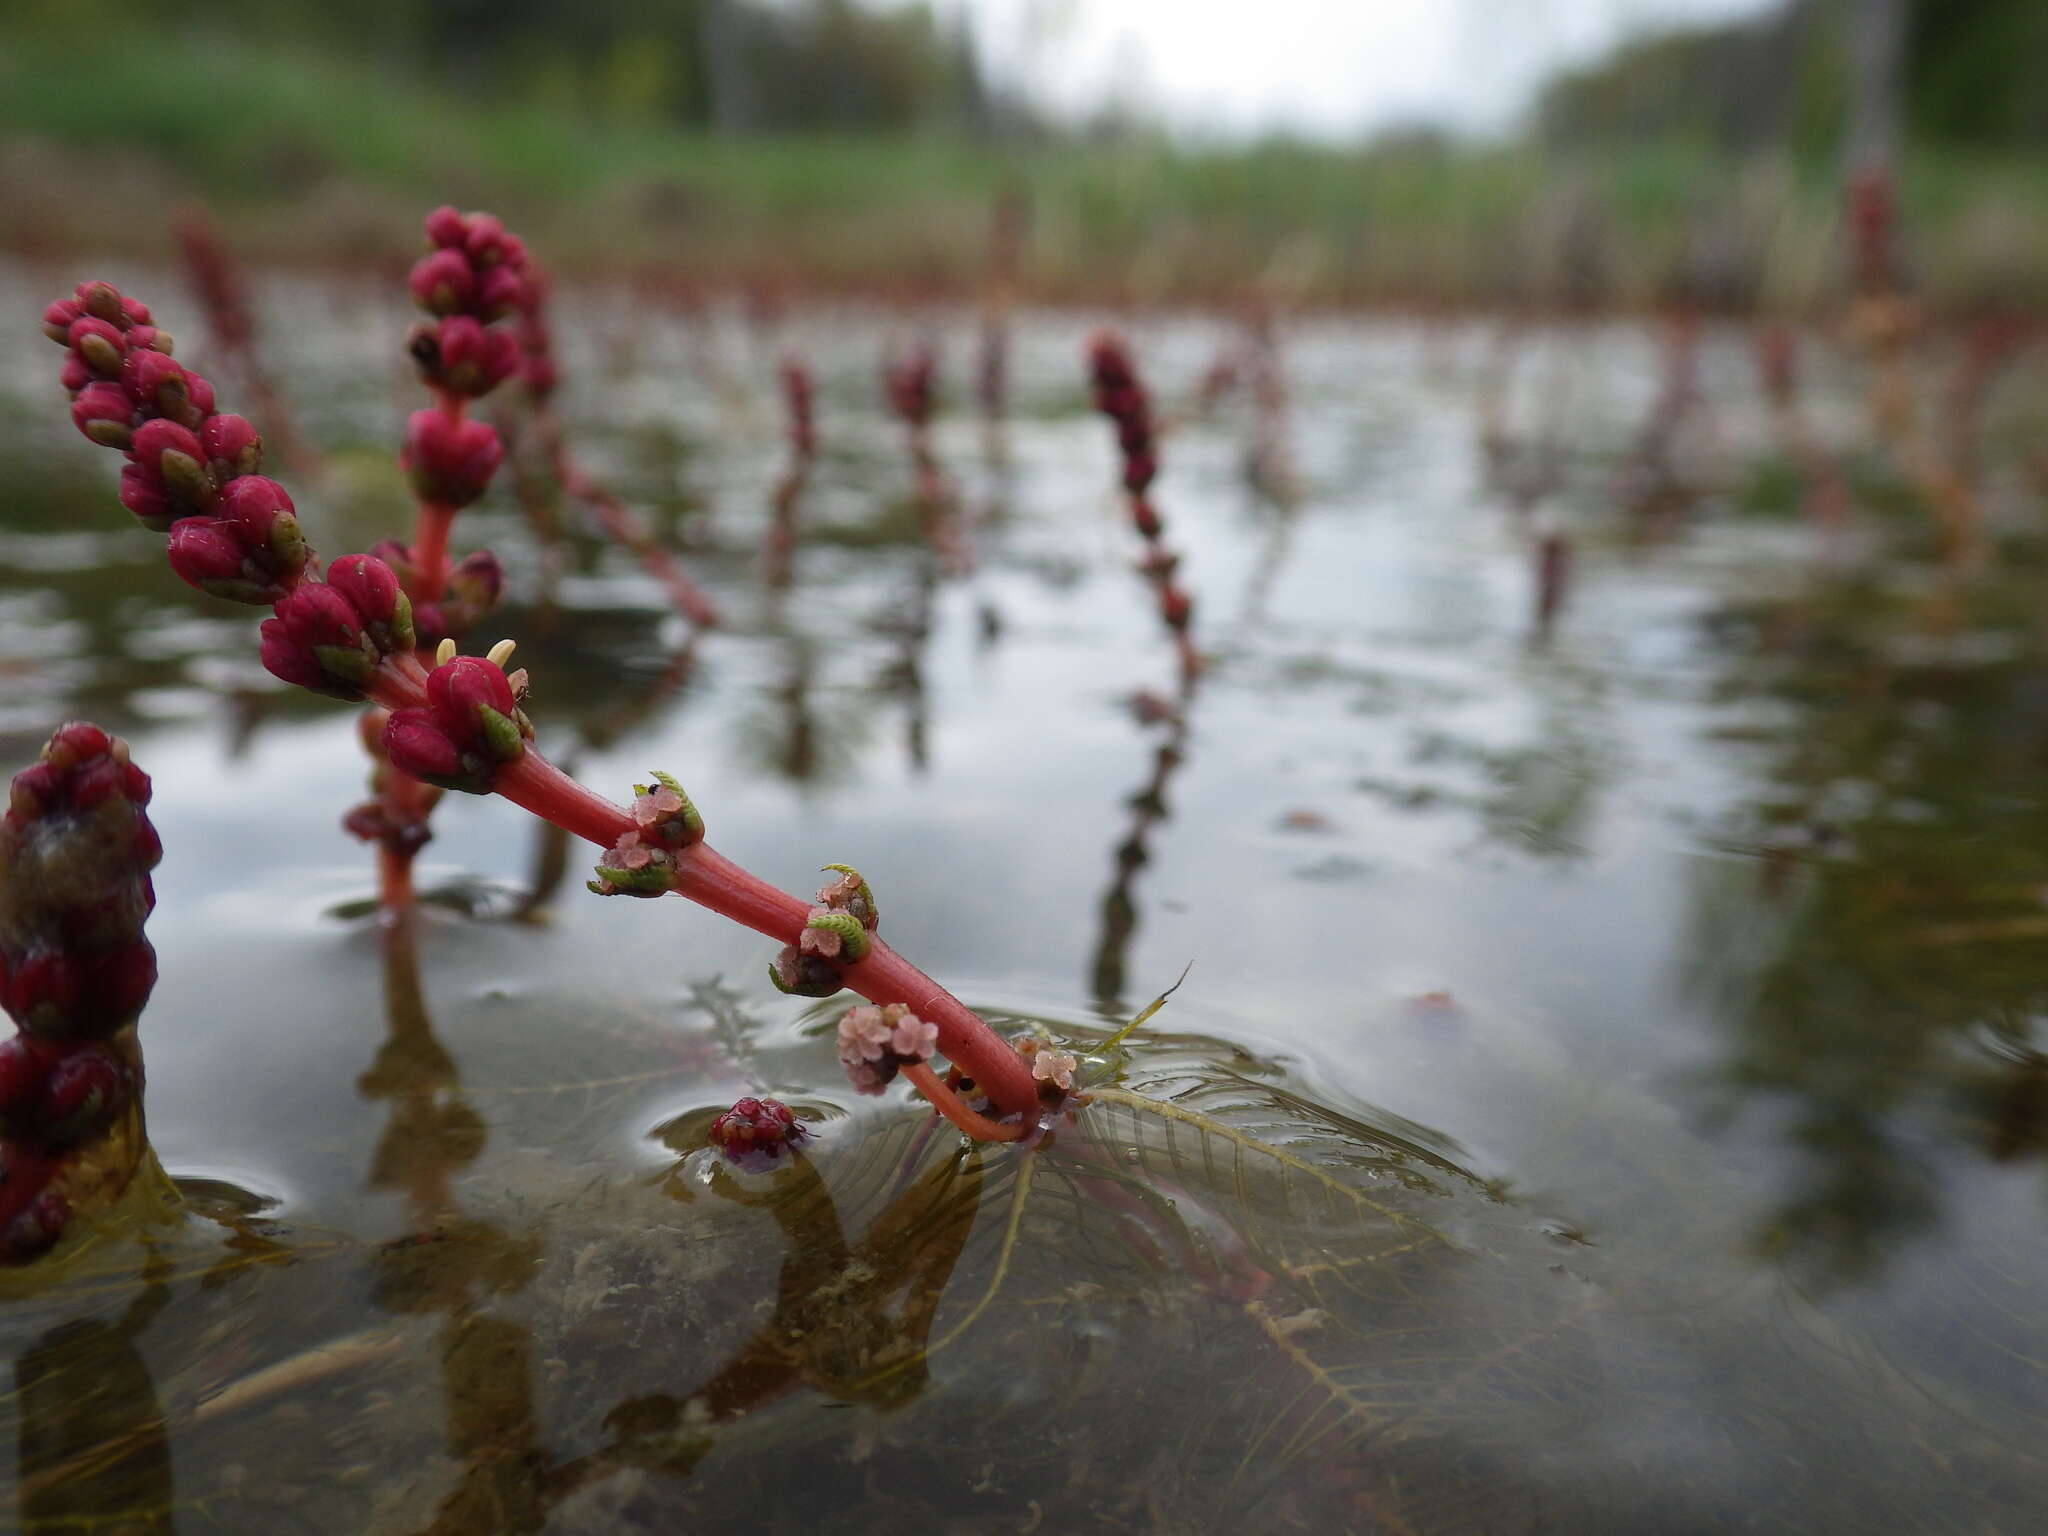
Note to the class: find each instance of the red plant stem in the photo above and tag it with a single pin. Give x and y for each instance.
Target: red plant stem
(624, 528)
(394, 877)
(430, 550)
(946, 1102)
(711, 880)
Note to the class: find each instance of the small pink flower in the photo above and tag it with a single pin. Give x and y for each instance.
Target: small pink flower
(657, 805)
(912, 1037)
(1054, 1067)
(822, 942)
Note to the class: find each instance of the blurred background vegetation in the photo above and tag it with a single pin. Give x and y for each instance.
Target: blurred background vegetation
(840, 145)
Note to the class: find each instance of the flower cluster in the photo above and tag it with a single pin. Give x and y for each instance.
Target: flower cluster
(643, 861)
(757, 1131)
(837, 932)
(470, 590)
(331, 637)
(474, 276)
(191, 470)
(471, 728)
(1051, 1068)
(876, 1043)
(1121, 396)
(76, 849)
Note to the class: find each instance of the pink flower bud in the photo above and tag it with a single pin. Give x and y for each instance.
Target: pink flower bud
(148, 336)
(450, 462)
(144, 495)
(373, 588)
(75, 374)
(57, 320)
(98, 343)
(498, 293)
(472, 713)
(447, 227)
(37, 1228)
(102, 300)
(24, 1063)
(476, 580)
(43, 988)
(461, 356)
(317, 641)
(135, 312)
(200, 392)
(458, 689)
(83, 1093)
(442, 283)
(488, 244)
(205, 555)
(414, 743)
(233, 448)
(154, 381)
(284, 658)
(103, 413)
(171, 456)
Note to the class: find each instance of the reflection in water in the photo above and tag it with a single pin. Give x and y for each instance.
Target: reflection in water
(90, 1441)
(449, 1263)
(1119, 921)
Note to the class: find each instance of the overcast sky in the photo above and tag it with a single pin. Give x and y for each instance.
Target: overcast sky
(1331, 68)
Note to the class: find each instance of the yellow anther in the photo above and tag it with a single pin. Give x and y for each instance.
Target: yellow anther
(444, 653)
(501, 653)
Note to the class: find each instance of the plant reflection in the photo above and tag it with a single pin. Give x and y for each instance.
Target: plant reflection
(1889, 987)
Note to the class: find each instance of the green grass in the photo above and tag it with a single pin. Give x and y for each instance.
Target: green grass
(305, 155)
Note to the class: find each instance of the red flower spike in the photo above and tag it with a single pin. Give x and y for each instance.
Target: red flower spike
(757, 1131)
(75, 853)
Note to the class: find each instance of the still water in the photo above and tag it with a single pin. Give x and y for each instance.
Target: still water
(1610, 1092)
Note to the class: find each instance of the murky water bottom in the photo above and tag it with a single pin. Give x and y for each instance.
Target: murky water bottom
(1608, 1094)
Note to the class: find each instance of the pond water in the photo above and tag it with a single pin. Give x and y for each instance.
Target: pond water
(1610, 1092)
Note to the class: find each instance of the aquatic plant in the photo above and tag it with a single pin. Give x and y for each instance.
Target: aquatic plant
(458, 723)
(76, 849)
(799, 392)
(541, 374)
(1121, 396)
(910, 386)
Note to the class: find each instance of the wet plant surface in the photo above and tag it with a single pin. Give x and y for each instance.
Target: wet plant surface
(1609, 1094)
